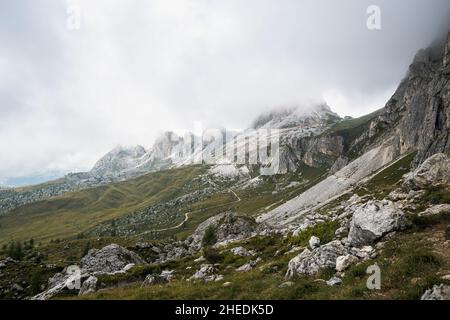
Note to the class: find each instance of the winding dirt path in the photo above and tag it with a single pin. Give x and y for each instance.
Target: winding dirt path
(188, 214)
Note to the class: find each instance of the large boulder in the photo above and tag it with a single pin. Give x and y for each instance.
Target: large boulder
(61, 283)
(310, 262)
(433, 171)
(110, 259)
(373, 220)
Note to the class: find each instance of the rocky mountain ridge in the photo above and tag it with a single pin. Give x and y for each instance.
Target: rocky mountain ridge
(171, 150)
(416, 118)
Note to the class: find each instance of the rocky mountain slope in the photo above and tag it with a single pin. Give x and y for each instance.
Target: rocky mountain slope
(350, 196)
(416, 118)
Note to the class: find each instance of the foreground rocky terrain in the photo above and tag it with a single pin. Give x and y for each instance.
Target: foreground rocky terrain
(352, 198)
(336, 248)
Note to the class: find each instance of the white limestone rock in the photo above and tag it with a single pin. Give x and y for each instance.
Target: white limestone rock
(314, 242)
(373, 220)
(310, 262)
(345, 261)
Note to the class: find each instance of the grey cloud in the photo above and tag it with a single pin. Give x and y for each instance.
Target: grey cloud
(136, 68)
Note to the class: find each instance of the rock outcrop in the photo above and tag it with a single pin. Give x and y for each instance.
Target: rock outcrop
(434, 171)
(228, 227)
(418, 114)
(248, 266)
(373, 220)
(435, 210)
(310, 262)
(108, 260)
(88, 286)
(416, 118)
(241, 251)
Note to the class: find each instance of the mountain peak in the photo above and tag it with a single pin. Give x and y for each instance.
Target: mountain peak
(296, 117)
(118, 159)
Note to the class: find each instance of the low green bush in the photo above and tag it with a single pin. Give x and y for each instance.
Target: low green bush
(209, 238)
(325, 231)
(212, 255)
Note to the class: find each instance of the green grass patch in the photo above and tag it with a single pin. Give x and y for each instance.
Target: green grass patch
(436, 195)
(386, 180)
(325, 231)
(423, 222)
(77, 212)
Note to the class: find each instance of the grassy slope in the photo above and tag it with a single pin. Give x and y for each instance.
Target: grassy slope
(73, 213)
(253, 200)
(67, 216)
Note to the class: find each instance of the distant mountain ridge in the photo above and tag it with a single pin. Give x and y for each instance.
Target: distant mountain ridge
(170, 150)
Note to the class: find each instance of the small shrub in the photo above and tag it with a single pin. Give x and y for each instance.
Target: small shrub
(80, 235)
(326, 273)
(426, 221)
(306, 288)
(357, 271)
(437, 195)
(28, 245)
(424, 257)
(209, 238)
(36, 281)
(212, 255)
(15, 250)
(143, 270)
(325, 231)
(447, 233)
(86, 249)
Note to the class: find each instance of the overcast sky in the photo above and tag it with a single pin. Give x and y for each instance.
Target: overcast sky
(135, 68)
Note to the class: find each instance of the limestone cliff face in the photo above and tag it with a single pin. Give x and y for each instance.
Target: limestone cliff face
(315, 151)
(417, 117)
(418, 114)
